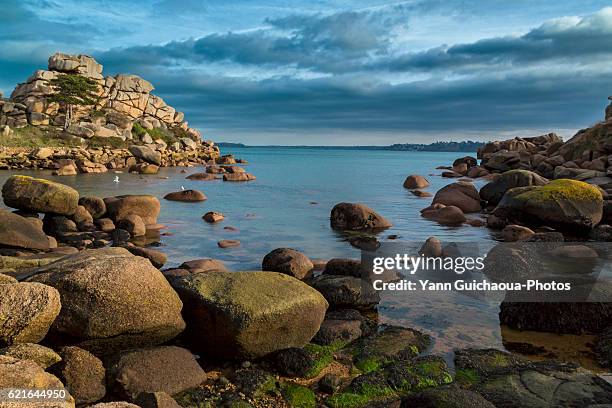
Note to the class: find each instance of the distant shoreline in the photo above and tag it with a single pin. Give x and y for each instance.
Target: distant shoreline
(467, 146)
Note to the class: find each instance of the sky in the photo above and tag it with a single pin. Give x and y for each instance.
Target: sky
(331, 72)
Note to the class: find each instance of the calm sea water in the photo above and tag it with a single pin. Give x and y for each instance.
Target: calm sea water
(289, 206)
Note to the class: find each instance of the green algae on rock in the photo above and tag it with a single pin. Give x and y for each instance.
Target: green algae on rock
(39, 195)
(563, 203)
(248, 314)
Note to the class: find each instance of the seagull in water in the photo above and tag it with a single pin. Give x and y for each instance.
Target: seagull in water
(182, 188)
(116, 180)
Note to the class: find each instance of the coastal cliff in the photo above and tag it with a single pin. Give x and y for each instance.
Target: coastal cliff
(88, 121)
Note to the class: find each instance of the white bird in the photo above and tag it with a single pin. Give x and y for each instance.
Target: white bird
(182, 188)
(116, 180)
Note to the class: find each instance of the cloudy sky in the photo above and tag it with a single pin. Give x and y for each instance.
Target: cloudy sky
(338, 72)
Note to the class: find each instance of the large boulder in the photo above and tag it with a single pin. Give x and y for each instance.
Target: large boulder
(83, 375)
(146, 154)
(249, 314)
(288, 261)
(351, 216)
(112, 300)
(27, 311)
(493, 192)
(145, 206)
(565, 204)
(21, 232)
(460, 194)
(39, 195)
(169, 369)
(507, 380)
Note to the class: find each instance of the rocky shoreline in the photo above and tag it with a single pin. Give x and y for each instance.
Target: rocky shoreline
(88, 306)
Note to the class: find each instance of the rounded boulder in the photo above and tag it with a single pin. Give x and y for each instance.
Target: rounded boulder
(112, 300)
(245, 315)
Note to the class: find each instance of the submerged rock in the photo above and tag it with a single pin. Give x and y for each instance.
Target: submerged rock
(112, 300)
(249, 314)
(562, 317)
(27, 311)
(351, 216)
(39, 195)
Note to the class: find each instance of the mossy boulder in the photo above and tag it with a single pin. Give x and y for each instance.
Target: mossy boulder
(493, 191)
(565, 204)
(447, 396)
(507, 380)
(390, 343)
(21, 232)
(395, 379)
(111, 301)
(248, 314)
(39, 195)
(298, 396)
(307, 362)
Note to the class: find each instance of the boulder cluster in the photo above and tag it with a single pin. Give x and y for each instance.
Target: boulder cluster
(124, 112)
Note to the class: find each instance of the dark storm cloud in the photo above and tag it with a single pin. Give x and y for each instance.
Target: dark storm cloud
(358, 104)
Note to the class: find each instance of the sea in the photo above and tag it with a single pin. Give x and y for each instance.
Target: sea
(289, 205)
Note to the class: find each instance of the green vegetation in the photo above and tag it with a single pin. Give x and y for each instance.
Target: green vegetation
(33, 136)
(393, 380)
(112, 142)
(322, 356)
(167, 136)
(561, 189)
(369, 364)
(467, 377)
(298, 396)
(367, 394)
(73, 90)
